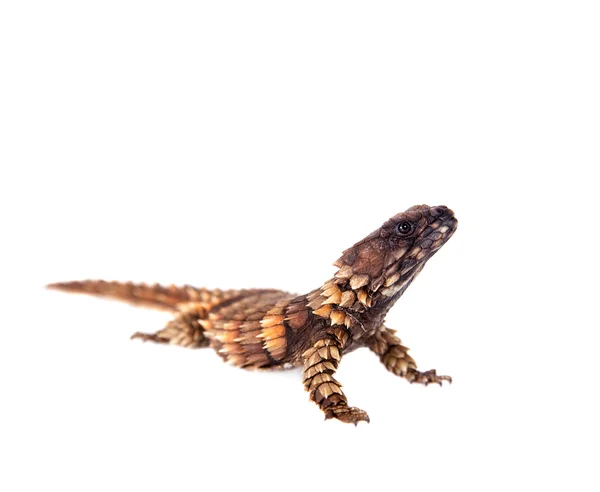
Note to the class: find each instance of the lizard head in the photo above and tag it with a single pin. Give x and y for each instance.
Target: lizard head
(388, 259)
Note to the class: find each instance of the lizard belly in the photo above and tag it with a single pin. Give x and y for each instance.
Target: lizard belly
(251, 331)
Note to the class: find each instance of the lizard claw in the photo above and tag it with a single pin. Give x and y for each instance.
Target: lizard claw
(148, 337)
(349, 415)
(427, 377)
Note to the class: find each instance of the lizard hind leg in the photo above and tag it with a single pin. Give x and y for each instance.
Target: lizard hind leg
(184, 329)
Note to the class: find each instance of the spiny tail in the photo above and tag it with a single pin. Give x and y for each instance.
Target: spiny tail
(156, 296)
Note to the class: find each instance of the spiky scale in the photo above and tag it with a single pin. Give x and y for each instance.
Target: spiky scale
(324, 311)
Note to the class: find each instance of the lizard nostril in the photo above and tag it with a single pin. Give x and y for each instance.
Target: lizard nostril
(438, 211)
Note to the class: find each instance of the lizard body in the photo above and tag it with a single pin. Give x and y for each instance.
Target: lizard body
(270, 329)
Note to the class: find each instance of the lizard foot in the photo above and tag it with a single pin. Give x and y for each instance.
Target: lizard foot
(427, 377)
(349, 415)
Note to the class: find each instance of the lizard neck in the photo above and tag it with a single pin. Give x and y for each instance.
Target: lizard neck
(359, 304)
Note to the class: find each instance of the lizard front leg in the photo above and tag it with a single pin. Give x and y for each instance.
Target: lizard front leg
(320, 363)
(395, 358)
(184, 329)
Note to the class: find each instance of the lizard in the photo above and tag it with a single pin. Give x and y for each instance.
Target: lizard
(273, 329)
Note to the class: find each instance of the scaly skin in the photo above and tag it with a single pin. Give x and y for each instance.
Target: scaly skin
(272, 329)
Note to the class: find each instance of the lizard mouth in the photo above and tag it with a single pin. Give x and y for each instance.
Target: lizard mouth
(442, 225)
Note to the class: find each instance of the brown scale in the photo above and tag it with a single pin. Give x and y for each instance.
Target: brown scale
(272, 329)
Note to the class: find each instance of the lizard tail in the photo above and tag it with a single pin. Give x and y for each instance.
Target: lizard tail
(156, 296)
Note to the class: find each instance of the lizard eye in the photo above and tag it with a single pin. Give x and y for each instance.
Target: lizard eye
(404, 228)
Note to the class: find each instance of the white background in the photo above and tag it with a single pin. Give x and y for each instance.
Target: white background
(246, 144)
